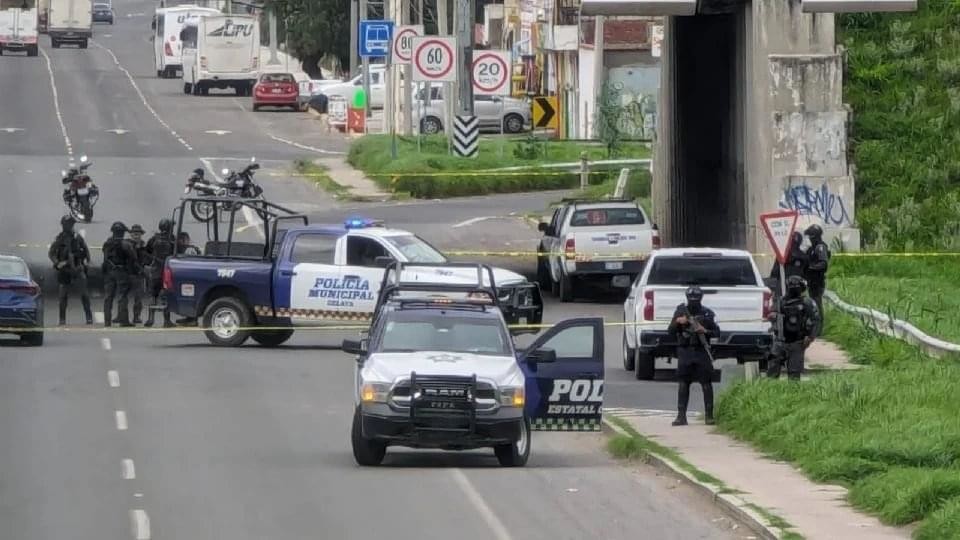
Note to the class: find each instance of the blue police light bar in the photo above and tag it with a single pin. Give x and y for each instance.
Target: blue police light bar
(362, 223)
(857, 6)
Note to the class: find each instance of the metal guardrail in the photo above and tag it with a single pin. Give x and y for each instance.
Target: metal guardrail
(574, 166)
(896, 328)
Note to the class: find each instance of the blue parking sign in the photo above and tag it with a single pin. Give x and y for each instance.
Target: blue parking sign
(375, 37)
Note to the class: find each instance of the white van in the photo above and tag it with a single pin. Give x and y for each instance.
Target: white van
(166, 37)
(18, 26)
(220, 51)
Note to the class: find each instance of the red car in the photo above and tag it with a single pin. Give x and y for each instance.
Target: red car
(276, 90)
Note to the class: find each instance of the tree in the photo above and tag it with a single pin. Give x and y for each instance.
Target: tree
(313, 28)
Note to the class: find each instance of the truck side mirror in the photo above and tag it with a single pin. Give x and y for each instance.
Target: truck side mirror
(542, 356)
(542, 227)
(351, 346)
(383, 262)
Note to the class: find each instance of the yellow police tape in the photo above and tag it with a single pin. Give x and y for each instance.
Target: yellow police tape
(450, 173)
(160, 329)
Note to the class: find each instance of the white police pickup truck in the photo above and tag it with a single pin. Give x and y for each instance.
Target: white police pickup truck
(732, 287)
(600, 241)
(439, 369)
(305, 275)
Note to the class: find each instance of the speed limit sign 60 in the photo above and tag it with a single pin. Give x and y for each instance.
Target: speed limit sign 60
(434, 58)
(491, 73)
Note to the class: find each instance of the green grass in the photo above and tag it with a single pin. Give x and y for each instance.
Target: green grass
(890, 434)
(318, 175)
(432, 172)
(922, 290)
(902, 83)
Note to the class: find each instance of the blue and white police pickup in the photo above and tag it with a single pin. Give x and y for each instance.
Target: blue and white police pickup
(311, 275)
(439, 369)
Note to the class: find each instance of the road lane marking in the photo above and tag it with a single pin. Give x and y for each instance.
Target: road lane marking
(305, 147)
(248, 215)
(140, 524)
(98, 317)
(129, 471)
(56, 103)
(105, 343)
(471, 221)
(113, 378)
(496, 526)
(143, 99)
(121, 417)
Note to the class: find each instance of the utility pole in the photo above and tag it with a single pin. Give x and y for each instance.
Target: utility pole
(364, 13)
(406, 116)
(448, 97)
(273, 35)
(354, 25)
(390, 84)
(464, 24)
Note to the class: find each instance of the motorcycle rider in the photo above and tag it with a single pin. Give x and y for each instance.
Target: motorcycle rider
(160, 246)
(119, 264)
(690, 322)
(800, 321)
(70, 257)
(818, 259)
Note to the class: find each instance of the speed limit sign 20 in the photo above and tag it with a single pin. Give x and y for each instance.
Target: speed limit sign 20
(491, 73)
(434, 58)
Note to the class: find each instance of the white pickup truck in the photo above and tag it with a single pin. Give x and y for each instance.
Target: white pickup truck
(601, 241)
(732, 287)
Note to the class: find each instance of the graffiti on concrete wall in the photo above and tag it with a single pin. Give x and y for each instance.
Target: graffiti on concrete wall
(637, 119)
(822, 203)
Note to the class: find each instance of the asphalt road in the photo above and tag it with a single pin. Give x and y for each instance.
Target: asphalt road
(132, 434)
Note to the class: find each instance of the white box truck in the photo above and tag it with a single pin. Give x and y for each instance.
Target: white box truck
(167, 47)
(18, 26)
(70, 21)
(220, 51)
(43, 15)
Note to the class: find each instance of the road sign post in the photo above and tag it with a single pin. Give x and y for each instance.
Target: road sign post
(490, 76)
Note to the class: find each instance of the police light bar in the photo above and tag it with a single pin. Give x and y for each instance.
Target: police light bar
(361, 223)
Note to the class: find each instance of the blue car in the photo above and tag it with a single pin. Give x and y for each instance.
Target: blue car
(21, 302)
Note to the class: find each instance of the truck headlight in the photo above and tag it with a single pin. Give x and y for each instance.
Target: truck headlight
(512, 396)
(372, 392)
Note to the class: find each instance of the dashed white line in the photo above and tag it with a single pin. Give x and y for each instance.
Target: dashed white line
(98, 317)
(143, 98)
(129, 471)
(471, 221)
(121, 417)
(106, 344)
(305, 147)
(496, 526)
(56, 103)
(113, 378)
(140, 524)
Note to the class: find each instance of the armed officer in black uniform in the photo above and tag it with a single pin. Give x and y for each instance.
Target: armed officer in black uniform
(798, 323)
(160, 246)
(138, 285)
(692, 326)
(818, 259)
(70, 257)
(796, 263)
(119, 266)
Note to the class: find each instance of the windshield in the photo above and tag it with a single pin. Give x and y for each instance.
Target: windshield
(716, 271)
(415, 249)
(412, 332)
(12, 268)
(606, 216)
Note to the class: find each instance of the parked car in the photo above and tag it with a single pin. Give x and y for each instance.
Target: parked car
(493, 111)
(346, 90)
(102, 13)
(276, 90)
(21, 302)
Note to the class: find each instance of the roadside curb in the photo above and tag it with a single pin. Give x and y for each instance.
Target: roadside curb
(730, 503)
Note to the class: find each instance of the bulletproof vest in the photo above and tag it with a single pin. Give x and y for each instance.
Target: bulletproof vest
(115, 255)
(819, 255)
(795, 263)
(163, 247)
(688, 336)
(67, 245)
(795, 317)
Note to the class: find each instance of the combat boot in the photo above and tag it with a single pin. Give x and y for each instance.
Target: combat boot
(681, 419)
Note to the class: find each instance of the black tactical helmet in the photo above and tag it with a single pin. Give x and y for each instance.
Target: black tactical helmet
(198, 172)
(118, 227)
(694, 293)
(67, 221)
(814, 231)
(796, 284)
(166, 225)
(137, 228)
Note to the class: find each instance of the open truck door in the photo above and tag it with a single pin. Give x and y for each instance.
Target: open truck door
(564, 376)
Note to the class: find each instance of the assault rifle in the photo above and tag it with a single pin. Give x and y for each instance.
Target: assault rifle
(697, 327)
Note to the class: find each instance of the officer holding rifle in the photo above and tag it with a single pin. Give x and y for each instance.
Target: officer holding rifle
(692, 326)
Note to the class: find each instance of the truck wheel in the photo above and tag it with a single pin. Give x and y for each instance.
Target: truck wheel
(187, 88)
(33, 50)
(515, 454)
(227, 319)
(543, 271)
(566, 288)
(628, 353)
(366, 452)
(646, 366)
(196, 88)
(272, 338)
(83, 44)
(32, 339)
(54, 43)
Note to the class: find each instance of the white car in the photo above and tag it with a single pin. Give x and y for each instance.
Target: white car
(346, 90)
(494, 112)
(732, 287)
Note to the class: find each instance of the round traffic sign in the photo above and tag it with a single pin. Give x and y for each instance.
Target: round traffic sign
(404, 43)
(434, 58)
(490, 72)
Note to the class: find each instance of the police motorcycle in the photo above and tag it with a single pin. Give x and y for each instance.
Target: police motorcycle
(81, 193)
(234, 184)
